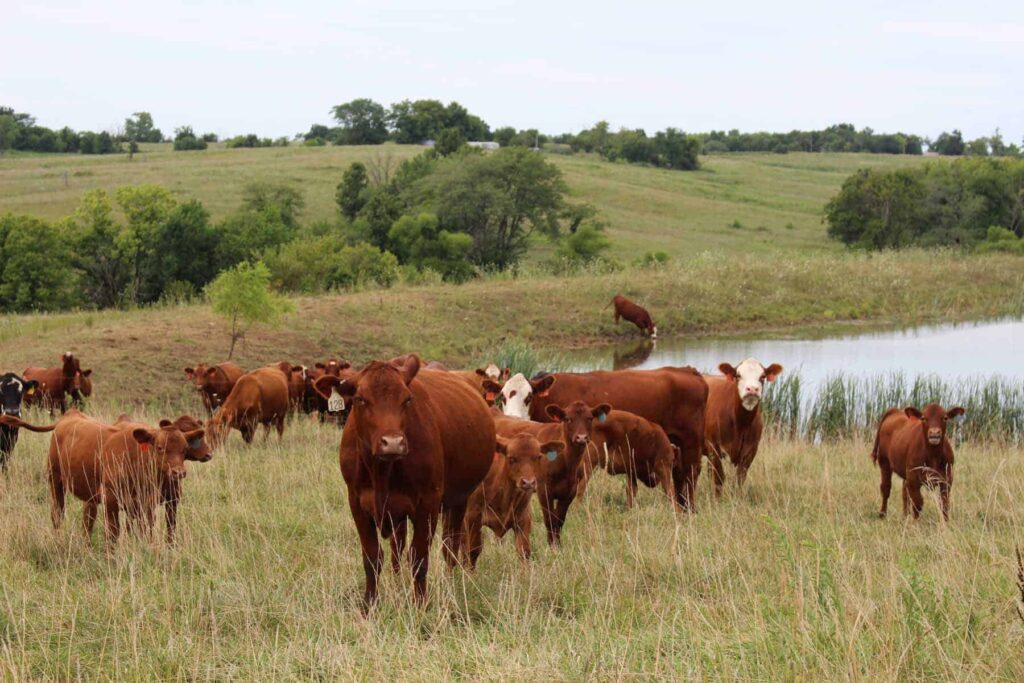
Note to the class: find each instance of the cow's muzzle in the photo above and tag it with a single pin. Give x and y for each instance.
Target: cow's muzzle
(392, 447)
(528, 484)
(178, 473)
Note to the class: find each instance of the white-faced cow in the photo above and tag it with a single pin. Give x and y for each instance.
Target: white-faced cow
(12, 389)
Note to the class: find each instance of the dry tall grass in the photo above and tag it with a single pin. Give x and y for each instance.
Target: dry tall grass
(794, 578)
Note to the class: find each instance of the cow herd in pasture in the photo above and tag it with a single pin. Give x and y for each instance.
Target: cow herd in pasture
(424, 444)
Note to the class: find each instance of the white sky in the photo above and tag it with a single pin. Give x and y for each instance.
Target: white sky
(274, 68)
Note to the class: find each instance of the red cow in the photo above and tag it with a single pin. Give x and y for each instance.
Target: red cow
(672, 398)
(214, 382)
(416, 445)
(259, 397)
(502, 501)
(913, 444)
(197, 451)
(634, 313)
(56, 383)
(559, 471)
(733, 422)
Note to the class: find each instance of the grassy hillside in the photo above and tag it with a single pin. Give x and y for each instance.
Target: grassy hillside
(796, 578)
(138, 355)
(777, 199)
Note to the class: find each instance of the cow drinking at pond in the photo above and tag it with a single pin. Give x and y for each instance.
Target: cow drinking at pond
(734, 422)
(214, 382)
(913, 444)
(416, 444)
(634, 313)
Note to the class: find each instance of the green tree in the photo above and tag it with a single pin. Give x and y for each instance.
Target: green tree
(287, 200)
(362, 122)
(185, 140)
(145, 207)
(374, 221)
(585, 245)
(242, 296)
(419, 241)
(949, 144)
(35, 270)
(503, 136)
(877, 210)
(8, 132)
(351, 191)
(449, 141)
(417, 122)
(181, 248)
(96, 250)
(139, 127)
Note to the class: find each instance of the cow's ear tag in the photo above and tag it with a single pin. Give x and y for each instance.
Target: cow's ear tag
(30, 391)
(144, 447)
(552, 455)
(336, 403)
(195, 443)
(544, 393)
(602, 417)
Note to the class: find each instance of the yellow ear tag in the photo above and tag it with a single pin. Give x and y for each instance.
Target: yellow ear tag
(30, 391)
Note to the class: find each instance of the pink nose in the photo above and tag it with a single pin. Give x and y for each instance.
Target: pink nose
(581, 438)
(753, 390)
(392, 445)
(528, 484)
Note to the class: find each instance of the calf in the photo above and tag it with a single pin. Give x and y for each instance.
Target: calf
(258, 397)
(733, 421)
(573, 425)
(913, 444)
(634, 313)
(313, 401)
(55, 384)
(197, 451)
(502, 501)
(416, 445)
(625, 443)
(214, 382)
(12, 390)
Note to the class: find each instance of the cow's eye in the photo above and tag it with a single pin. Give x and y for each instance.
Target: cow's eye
(529, 397)
(407, 402)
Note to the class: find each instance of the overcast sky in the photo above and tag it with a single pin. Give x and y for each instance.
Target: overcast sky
(274, 68)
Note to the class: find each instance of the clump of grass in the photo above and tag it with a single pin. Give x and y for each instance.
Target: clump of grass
(519, 356)
(736, 225)
(782, 403)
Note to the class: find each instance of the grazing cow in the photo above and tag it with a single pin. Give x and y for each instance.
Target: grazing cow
(628, 444)
(12, 389)
(416, 445)
(634, 313)
(214, 382)
(573, 425)
(197, 451)
(502, 501)
(56, 383)
(259, 397)
(295, 376)
(733, 422)
(121, 466)
(913, 444)
(672, 398)
(313, 401)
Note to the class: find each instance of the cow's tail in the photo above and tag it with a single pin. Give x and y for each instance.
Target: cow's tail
(878, 437)
(12, 421)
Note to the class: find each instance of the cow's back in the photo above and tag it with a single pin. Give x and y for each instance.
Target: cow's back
(260, 393)
(888, 447)
(51, 384)
(75, 453)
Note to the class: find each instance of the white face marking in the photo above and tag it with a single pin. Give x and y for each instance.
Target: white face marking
(493, 371)
(515, 394)
(748, 382)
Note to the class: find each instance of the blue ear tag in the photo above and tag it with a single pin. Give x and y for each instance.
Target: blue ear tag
(552, 455)
(602, 417)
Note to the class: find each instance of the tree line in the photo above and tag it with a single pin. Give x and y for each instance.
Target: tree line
(973, 203)
(436, 216)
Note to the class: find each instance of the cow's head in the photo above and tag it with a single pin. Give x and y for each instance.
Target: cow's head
(518, 393)
(69, 364)
(382, 404)
(933, 420)
(494, 373)
(523, 455)
(331, 367)
(170, 445)
(12, 389)
(750, 377)
(577, 420)
(197, 450)
(218, 427)
(200, 375)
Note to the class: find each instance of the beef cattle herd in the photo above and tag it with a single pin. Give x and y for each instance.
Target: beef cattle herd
(423, 443)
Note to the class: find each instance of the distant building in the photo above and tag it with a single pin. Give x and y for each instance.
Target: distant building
(482, 144)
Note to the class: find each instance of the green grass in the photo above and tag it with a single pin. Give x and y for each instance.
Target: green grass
(794, 578)
(777, 199)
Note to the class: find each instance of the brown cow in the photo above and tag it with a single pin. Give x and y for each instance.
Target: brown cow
(197, 451)
(672, 398)
(214, 382)
(913, 444)
(55, 384)
(634, 313)
(625, 443)
(295, 376)
(559, 471)
(259, 397)
(416, 445)
(502, 501)
(119, 466)
(733, 422)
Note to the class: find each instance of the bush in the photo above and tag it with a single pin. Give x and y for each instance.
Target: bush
(35, 274)
(185, 140)
(714, 147)
(314, 142)
(1002, 240)
(653, 259)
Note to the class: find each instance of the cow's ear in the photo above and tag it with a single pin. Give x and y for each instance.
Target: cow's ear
(298, 368)
(195, 434)
(408, 365)
(481, 372)
(30, 387)
(955, 412)
(505, 374)
(501, 445)
(601, 412)
(772, 371)
(912, 412)
(491, 389)
(165, 423)
(542, 386)
(319, 366)
(86, 373)
(557, 446)
(143, 436)
(189, 372)
(727, 370)
(344, 365)
(210, 372)
(327, 384)
(555, 413)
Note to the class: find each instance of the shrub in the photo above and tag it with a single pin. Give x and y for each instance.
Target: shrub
(185, 140)
(653, 259)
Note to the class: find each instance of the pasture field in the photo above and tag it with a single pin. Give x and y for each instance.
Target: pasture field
(794, 578)
(774, 200)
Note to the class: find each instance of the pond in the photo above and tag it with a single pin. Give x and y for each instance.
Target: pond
(954, 352)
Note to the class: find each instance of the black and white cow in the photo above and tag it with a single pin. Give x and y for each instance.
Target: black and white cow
(12, 389)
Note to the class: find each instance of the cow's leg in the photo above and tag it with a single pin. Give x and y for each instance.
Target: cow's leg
(547, 508)
(741, 475)
(717, 471)
(248, 432)
(886, 486)
(89, 511)
(630, 489)
(423, 524)
(906, 499)
(112, 525)
(663, 470)
(279, 424)
(370, 543)
(559, 511)
(398, 536)
(171, 518)
(451, 539)
(56, 497)
(523, 522)
(916, 499)
(473, 539)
